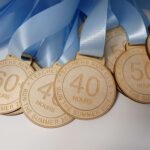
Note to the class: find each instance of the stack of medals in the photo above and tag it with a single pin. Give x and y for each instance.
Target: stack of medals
(78, 80)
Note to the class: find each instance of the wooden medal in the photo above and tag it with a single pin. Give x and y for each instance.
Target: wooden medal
(13, 73)
(39, 102)
(85, 89)
(132, 72)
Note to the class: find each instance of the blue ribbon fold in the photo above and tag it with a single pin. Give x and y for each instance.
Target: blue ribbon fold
(4, 3)
(131, 20)
(12, 16)
(72, 44)
(43, 25)
(87, 7)
(144, 8)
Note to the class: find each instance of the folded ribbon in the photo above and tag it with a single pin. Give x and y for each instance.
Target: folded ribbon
(4, 3)
(144, 8)
(50, 22)
(12, 16)
(72, 44)
(131, 20)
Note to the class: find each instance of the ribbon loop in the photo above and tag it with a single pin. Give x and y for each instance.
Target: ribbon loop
(131, 20)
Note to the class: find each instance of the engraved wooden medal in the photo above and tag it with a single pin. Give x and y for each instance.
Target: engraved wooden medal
(38, 100)
(132, 72)
(85, 89)
(13, 72)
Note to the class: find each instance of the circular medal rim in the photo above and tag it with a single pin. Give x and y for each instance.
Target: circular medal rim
(17, 61)
(111, 76)
(118, 83)
(15, 113)
(35, 122)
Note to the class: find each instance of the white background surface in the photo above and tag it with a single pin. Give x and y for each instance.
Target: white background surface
(125, 127)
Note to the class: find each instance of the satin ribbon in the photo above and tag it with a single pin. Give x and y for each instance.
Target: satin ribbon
(4, 3)
(12, 15)
(144, 8)
(131, 20)
(49, 44)
(93, 34)
(87, 7)
(72, 45)
(61, 48)
(112, 20)
(45, 24)
(51, 49)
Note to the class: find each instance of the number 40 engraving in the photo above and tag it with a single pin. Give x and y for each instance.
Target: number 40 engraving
(78, 84)
(47, 91)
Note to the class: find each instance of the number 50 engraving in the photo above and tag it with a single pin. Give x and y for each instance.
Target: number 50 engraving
(139, 74)
(8, 87)
(78, 84)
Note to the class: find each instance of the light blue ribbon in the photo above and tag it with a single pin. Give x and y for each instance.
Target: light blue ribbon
(51, 49)
(112, 20)
(61, 47)
(48, 44)
(93, 34)
(43, 25)
(72, 45)
(4, 3)
(131, 20)
(144, 7)
(87, 7)
(12, 16)
(44, 33)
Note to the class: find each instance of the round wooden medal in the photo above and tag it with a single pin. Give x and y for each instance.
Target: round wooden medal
(85, 89)
(132, 72)
(38, 100)
(13, 72)
(115, 46)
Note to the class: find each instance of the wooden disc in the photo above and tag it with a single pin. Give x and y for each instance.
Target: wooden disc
(38, 101)
(85, 89)
(132, 72)
(115, 46)
(13, 73)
